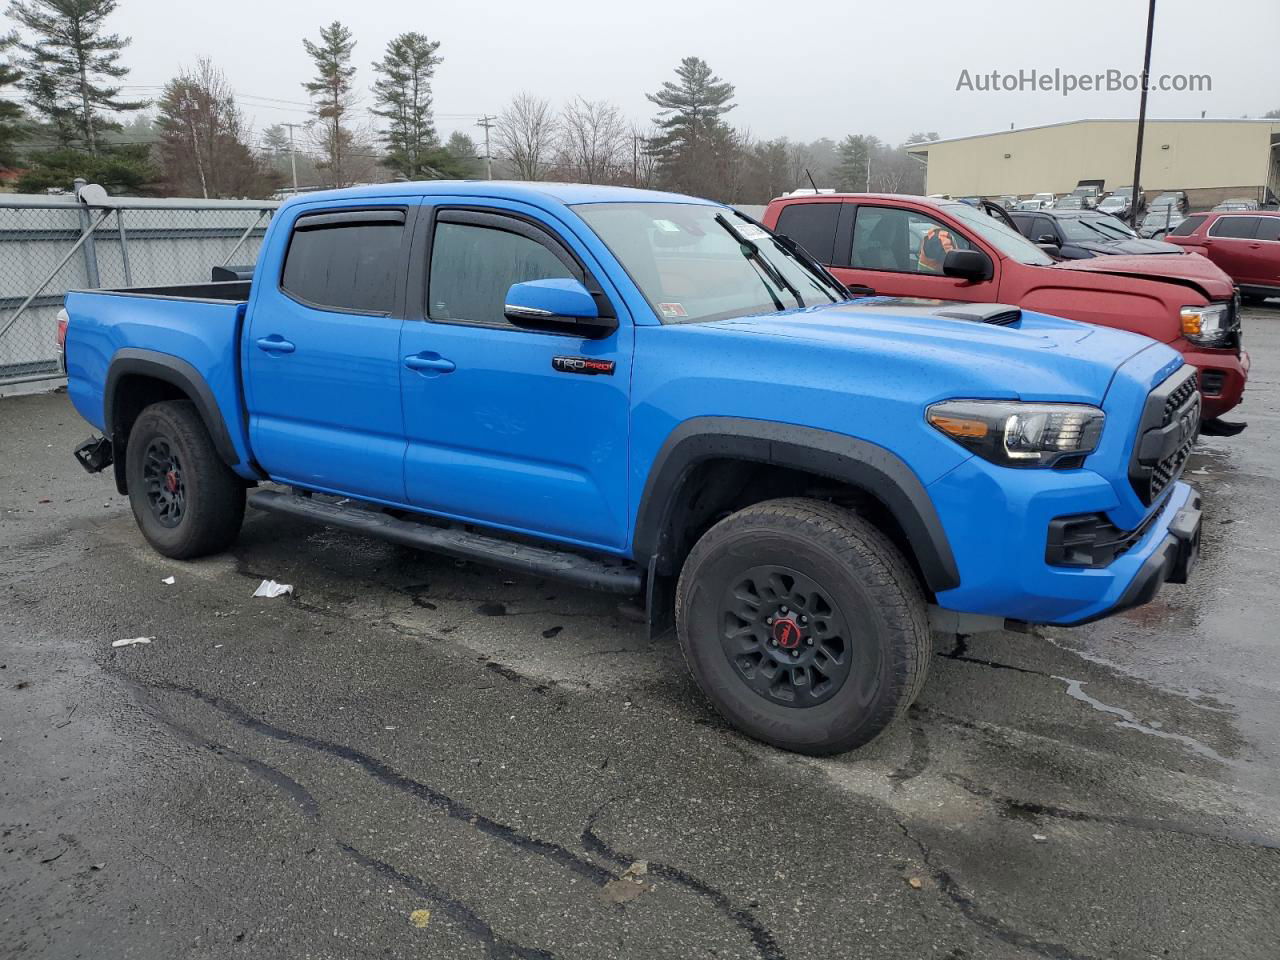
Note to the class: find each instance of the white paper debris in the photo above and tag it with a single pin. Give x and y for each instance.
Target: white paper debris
(170, 580)
(269, 588)
(131, 641)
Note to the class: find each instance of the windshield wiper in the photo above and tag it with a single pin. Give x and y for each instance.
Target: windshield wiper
(753, 254)
(806, 258)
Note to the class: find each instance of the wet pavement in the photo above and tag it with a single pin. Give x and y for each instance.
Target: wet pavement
(413, 757)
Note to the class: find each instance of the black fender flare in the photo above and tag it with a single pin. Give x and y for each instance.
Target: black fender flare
(862, 464)
(131, 361)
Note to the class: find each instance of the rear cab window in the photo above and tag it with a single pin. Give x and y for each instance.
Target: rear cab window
(1187, 227)
(813, 226)
(1233, 227)
(346, 260)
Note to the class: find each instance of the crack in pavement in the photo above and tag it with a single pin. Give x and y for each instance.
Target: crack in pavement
(918, 759)
(497, 946)
(974, 914)
(960, 652)
(761, 936)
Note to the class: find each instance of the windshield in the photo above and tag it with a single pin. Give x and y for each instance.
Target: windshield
(691, 268)
(1009, 242)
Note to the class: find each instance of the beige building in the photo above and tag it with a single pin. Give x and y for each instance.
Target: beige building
(1209, 159)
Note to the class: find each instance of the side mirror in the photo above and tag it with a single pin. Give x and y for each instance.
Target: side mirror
(971, 265)
(1047, 239)
(557, 306)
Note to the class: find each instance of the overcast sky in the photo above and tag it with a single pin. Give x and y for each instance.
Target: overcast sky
(802, 70)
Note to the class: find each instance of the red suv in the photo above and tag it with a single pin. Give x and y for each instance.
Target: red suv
(1245, 244)
(904, 246)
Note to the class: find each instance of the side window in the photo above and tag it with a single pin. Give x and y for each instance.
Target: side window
(1269, 229)
(345, 260)
(813, 226)
(902, 241)
(473, 267)
(1043, 227)
(1187, 227)
(1024, 224)
(1243, 228)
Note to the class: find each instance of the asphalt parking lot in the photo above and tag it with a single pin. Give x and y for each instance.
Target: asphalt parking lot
(412, 757)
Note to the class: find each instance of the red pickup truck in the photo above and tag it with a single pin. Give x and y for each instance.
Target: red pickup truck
(904, 246)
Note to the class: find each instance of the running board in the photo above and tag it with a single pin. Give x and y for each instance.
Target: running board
(456, 542)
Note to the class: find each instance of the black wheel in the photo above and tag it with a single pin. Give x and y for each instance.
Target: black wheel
(803, 624)
(187, 502)
(1252, 299)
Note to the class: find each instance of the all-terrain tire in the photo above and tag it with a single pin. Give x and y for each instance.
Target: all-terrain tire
(780, 555)
(186, 500)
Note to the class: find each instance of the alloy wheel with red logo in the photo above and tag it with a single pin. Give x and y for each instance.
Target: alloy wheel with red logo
(803, 624)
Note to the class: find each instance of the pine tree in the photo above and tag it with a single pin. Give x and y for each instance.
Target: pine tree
(854, 152)
(10, 113)
(402, 94)
(464, 153)
(692, 137)
(331, 94)
(69, 66)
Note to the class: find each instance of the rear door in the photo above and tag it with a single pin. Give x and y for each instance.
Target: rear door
(322, 351)
(898, 251)
(1268, 252)
(499, 433)
(1231, 244)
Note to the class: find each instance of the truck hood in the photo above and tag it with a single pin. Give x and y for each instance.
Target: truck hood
(1131, 247)
(1036, 357)
(1192, 271)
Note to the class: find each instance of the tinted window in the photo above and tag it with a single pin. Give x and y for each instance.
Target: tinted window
(472, 268)
(1043, 227)
(351, 266)
(813, 226)
(902, 240)
(1242, 227)
(1269, 228)
(1187, 227)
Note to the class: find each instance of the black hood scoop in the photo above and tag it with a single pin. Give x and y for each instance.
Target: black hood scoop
(996, 314)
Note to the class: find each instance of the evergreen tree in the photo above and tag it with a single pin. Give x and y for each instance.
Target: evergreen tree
(10, 113)
(692, 137)
(402, 94)
(331, 94)
(855, 153)
(70, 66)
(464, 153)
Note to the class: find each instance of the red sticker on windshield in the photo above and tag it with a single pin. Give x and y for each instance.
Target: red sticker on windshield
(673, 310)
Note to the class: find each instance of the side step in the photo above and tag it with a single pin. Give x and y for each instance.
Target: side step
(457, 542)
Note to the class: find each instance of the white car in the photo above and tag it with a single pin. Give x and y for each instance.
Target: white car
(1114, 204)
(1046, 200)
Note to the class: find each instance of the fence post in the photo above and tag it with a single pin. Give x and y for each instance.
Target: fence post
(90, 251)
(124, 247)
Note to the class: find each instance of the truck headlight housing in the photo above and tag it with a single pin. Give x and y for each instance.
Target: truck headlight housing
(1015, 434)
(1209, 325)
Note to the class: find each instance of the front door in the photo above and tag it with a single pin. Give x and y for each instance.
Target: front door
(498, 431)
(898, 252)
(1231, 242)
(322, 351)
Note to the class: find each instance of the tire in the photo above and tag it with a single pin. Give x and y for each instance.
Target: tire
(193, 507)
(860, 603)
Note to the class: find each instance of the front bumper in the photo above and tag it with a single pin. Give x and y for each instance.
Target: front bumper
(1003, 567)
(1223, 374)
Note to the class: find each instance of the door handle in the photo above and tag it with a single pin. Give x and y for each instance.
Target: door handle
(428, 362)
(275, 344)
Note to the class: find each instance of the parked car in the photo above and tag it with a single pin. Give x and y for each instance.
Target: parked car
(1160, 219)
(1235, 205)
(1046, 200)
(654, 395)
(1127, 194)
(1078, 235)
(1088, 195)
(1008, 201)
(1186, 302)
(1246, 245)
(1029, 205)
(1071, 202)
(1176, 198)
(1115, 204)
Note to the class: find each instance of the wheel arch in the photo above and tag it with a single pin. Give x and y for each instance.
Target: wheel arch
(138, 378)
(857, 465)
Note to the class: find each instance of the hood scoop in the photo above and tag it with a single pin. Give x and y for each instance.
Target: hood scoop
(996, 314)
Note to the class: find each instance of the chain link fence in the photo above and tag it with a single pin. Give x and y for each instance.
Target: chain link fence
(49, 245)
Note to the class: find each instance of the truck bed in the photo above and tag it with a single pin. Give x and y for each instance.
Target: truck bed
(234, 291)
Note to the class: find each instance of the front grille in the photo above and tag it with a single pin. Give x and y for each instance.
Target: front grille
(1166, 434)
(1091, 540)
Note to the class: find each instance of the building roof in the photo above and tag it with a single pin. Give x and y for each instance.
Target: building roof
(924, 147)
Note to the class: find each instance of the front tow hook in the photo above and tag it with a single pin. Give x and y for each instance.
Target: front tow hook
(95, 454)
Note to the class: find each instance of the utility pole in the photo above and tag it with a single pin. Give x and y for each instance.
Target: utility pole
(1142, 119)
(487, 122)
(293, 153)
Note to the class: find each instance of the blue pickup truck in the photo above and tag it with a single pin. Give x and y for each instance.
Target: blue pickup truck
(654, 395)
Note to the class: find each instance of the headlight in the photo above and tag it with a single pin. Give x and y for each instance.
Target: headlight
(1209, 325)
(1015, 434)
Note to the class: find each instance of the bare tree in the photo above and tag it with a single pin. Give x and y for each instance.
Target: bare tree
(595, 144)
(644, 162)
(526, 133)
(799, 164)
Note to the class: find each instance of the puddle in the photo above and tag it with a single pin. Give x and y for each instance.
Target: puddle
(1075, 689)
